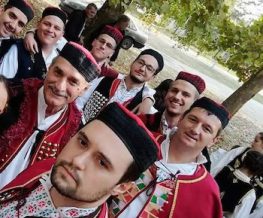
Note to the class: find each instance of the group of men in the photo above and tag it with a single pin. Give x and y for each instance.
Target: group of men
(70, 137)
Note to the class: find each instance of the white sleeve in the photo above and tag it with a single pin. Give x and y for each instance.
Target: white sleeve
(218, 165)
(243, 209)
(258, 211)
(148, 92)
(9, 63)
(82, 100)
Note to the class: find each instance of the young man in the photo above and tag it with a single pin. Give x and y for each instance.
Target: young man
(178, 185)
(78, 21)
(46, 113)
(182, 93)
(21, 64)
(88, 170)
(16, 14)
(128, 90)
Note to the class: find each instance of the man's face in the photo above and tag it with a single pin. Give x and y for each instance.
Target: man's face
(3, 97)
(63, 84)
(90, 166)
(103, 47)
(143, 69)
(49, 30)
(180, 96)
(12, 21)
(257, 144)
(197, 130)
(90, 12)
(124, 25)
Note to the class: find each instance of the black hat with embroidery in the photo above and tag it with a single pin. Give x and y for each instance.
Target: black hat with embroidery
(81, 59)
(156, 55)
(217, 109)
(53, 11)
(133, 133)
(23, 6)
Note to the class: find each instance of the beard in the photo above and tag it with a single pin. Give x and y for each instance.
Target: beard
(72, 191)
(136, 80)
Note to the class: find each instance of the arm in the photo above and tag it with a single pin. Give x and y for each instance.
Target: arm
(30, 42)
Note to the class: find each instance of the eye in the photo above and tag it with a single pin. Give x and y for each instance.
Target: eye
(12, 15)
(207, 129)
(83, 143)
(102, 163)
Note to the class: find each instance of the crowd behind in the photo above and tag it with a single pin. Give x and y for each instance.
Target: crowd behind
(80, 139)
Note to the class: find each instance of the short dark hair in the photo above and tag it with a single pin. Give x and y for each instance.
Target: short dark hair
(131, 174)
(253, 161)
(123, 18)
(92, 5)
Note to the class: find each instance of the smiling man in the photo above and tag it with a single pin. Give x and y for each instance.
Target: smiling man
(16, 14)
(20, 63)
(178, 185)
(46, 116)
(87, 172)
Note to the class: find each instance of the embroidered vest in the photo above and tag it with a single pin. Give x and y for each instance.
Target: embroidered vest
(101, 96)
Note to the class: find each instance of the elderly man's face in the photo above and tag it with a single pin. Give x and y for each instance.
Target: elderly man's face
(90, 166)
(12, 21)
(198, 129)
(63, 84)
(143, 69)
(49, 30)
(180, 96)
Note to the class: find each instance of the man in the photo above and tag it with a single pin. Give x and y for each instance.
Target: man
(178, 185)
(47, 115)
(4, 94)
(182, 93)
(78, 20)
(128, 90)
(21, 64)
(88, 170)
(16, 14)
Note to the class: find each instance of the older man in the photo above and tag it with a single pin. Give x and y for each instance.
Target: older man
(21, 64)
(129, 90)
(88, 170)
(47, 115)
(16, 14)
(178, 185)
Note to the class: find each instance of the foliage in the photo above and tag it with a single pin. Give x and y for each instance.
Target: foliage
(209, 28)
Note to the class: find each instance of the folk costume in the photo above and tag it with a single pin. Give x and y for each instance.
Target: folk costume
(166, 188)
(27, 10)
(19, 63)
(34, 136)
(29, 193)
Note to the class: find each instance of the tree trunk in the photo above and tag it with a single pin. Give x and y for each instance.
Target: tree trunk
(244, 93)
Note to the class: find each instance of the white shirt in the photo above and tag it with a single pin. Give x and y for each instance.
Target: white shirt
(22, 159)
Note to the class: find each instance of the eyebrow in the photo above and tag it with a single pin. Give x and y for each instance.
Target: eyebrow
(105, 158)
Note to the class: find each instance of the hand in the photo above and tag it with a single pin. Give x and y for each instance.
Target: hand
(30, 43)
(144, 107)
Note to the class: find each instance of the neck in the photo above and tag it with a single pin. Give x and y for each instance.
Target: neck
(130, 84)
(178, 153)
(171, 119)
(46, 50)
(246, 172)
(63, 201)
(51, 110)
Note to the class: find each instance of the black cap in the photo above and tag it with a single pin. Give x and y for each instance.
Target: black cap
(133, 133)
(23, 6)
(156, 55)
(217, 109)
(55, 12)
(81, 59)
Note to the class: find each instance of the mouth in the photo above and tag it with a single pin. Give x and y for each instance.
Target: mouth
(70, 173)
(191, 137)
(55, 93)
(8, 29)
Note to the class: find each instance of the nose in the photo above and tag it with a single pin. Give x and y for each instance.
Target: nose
(196, 128)
(62, 85)
(81, 160)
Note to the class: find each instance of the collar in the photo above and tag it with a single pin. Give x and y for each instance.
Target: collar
(64, 211)
(241, 176)
(136, 88)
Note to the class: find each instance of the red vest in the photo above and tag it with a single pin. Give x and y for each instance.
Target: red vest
(53, 140)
